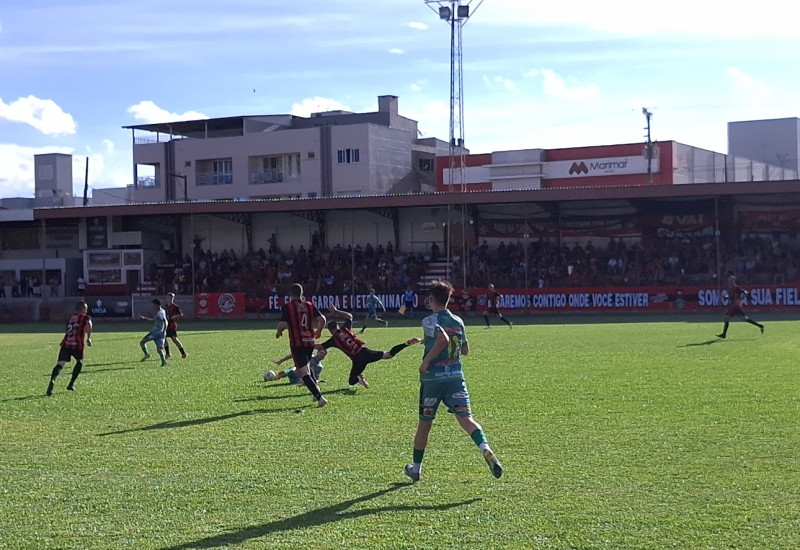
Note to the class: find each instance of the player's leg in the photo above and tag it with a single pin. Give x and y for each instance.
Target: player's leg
(143, 345)
(302, 358)
(64, 356)
(429, 400)
(367, 317)
(78, 355)
(506, 321)
(724, 332)
(159, 342)
(456, 398)
(486, 320)
(755, 323)
(400, 347)
(167, 354)
(181, 349)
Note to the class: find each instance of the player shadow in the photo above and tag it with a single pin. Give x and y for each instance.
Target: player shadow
(706, 343)
(170, 424)
(346, 391)
(314, 518)
(25, 398)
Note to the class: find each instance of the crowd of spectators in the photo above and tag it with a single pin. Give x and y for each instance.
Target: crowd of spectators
(640, 262)
(545, 264)
(320, 269)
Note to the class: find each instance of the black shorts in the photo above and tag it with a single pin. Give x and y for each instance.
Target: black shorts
(735, 311)
(65, 354)
(172, 333)
(367, 356)
(302, 356)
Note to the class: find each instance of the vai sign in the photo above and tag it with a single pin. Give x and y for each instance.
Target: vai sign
(612, 166)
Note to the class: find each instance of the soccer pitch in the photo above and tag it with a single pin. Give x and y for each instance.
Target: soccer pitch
(619, 435)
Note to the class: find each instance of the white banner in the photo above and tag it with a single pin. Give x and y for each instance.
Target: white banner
(612, 166)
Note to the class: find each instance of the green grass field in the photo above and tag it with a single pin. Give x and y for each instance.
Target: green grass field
(620, 435)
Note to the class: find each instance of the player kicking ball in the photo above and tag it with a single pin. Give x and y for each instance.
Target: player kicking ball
(343, 338)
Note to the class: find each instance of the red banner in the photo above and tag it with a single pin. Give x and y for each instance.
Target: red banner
(219, 304)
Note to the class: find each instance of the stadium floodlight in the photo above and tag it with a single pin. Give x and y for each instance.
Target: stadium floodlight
(445, 13)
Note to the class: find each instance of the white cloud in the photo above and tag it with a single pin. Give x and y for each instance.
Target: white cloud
(747, 90)
(109, 145)
(633, 17)
(555, 86)
(317, 105)
(417, 26)
(416, 87)
(397, 51)
(151, 113)
(506, 83)
(43, 114)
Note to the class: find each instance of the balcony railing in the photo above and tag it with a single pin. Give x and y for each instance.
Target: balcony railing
(267, 176)
(147, 181)
(210, 178)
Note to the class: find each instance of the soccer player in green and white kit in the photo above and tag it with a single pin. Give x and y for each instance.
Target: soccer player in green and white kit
(442, 381)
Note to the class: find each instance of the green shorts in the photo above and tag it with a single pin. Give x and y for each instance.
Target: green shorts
(453, 393)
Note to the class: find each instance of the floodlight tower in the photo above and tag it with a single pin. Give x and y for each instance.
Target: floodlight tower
(456, 13)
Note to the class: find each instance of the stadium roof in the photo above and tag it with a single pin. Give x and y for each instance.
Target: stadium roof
(652, 192)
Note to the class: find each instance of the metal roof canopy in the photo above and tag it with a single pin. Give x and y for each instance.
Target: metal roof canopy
(705, 190)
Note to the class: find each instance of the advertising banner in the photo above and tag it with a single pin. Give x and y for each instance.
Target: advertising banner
(110, 306)
(219, 304)
(631, 299)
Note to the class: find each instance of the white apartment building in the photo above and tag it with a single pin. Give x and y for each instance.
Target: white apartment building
(328, 154)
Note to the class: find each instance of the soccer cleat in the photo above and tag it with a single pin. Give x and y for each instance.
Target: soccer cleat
(510, 325)
(494, 465)
(487, 327)
(50, 388)
(184, 355)
(163, 362)
(409, 471)
(168, 356)
(363, 381)
(721, 336)
(146, 357)
(322, 402)
(71, 387)
(762, 329)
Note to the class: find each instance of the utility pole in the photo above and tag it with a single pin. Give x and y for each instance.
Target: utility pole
(648, 147)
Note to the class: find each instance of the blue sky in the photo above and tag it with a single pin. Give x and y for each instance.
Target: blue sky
(536, 74)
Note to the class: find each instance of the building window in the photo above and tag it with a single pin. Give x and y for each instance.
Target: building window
(348, 156)
(223, 172)
(312, 154)
(426, 165)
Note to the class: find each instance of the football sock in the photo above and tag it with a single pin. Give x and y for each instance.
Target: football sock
(759, 325)
(397, 349)
(486, 319)
(479, 438)
(355, 372)
(180, 349)
(56, 370)
(161, 354)
(75, 372)
(725, 328)
(312, 386)
(166, 348)
(144, 349)
(417, 460)
(506, 321)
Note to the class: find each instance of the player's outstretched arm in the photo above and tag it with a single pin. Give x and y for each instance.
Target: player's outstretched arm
(282, 359)
(283, 325)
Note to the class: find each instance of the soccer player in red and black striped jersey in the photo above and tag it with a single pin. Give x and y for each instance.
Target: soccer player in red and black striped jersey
(174, 313)
(736, 294)
(304, 323)
(343, 338)
(491, 307)
(79, 327)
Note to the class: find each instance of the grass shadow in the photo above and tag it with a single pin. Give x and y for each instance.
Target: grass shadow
(170, 424)
(706, 343)
(313, 518)
(34, 396)
(345, 391)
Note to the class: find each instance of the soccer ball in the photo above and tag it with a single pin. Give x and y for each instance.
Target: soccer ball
(270, 375)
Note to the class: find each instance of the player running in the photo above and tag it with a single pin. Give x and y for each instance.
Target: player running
(736, 294)
(373, 303)
(491, 307)
(174, 313)
(158, 334)
(442, 380)
(343, 338)
(304, 323)
(79, 326)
